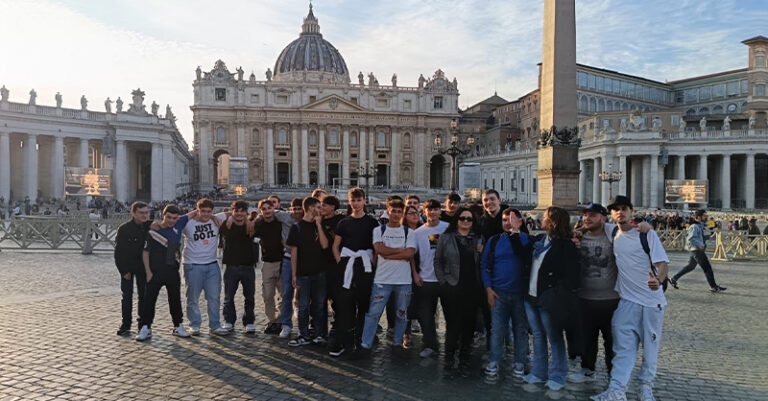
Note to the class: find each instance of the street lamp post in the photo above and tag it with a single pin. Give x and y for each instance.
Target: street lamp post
(610, 177)
(454, 151)
(366, 171)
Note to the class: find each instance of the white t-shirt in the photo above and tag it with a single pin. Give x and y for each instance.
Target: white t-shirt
(426, 243)
(201, 241)
(634, 266)
(535, 266)
(393, 271)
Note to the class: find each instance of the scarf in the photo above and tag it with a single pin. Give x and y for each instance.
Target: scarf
(541, 246)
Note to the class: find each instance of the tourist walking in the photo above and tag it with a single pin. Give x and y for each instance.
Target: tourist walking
(695, 243)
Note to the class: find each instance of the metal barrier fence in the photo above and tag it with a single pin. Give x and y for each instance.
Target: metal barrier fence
(89, 235)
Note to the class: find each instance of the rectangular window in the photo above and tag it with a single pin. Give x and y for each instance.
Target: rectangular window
(732, 88)
(333, 137)
(705, 92)
(438, 102)
(591, 79)
(522, 184)
(600, 83)
(675, 121)
(255, 98)
(281, 99)
(312, 98)
(679, 97)
(616, 86)
(534, 185)
(501, 181)
(221, 94)
(606, 122)
(718, 90)
(353, 100)
(624, 88)
(760, 90)
(407, 104)
(493, 183)
(582, 77)
(381, 103)
(381, 139)
(744, 87)
(691, 95)
(312, 154)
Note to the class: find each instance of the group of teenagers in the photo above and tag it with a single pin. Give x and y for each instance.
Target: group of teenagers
(562, 287)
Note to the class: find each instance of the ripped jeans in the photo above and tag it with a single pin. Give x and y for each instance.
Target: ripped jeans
(379, 297)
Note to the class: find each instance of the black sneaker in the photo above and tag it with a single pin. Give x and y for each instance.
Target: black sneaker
(123, 330)
(299, 342)
(272, 328)
(361, 353)
(717, 289)
(674, 283)
(336, 349)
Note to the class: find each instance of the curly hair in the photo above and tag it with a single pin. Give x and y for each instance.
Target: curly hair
(560, 223)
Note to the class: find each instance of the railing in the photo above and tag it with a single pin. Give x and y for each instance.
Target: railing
(59, 233)
(738, 245)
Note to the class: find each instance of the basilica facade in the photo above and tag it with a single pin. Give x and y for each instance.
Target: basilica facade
(308, 124)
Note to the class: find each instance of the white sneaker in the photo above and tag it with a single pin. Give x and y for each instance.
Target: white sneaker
(180, 332)
(646, 393)
(531, 379)
(250, 328)
(195, 331)
(553, 385)
(519, 370)
(220, 331)
(285, 332)
(492, 370)
(426, 352)
(319, 340)
(612, 394)
(144, 333)
(228, 326)
(583, 376)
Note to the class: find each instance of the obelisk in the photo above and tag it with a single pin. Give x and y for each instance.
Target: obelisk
(558, 162)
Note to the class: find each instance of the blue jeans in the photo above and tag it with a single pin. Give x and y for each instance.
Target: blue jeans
(379, 297)
(542, 327)
(312, 295)
(286, 309)
(509, 307)
(633, 324)
(203, 278)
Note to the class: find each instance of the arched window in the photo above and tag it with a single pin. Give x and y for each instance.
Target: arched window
(704, 110)
(221, 135)
(282, 137)
(592, 105)
(353, 139)
(601, 105)
(690, 112)
(333, 137)
(583, 105)
(312, 138)
(609, 106)
(407, 139)
(717, 109)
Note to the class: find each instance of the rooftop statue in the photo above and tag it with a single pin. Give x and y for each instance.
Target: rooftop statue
(119, 104)
(32, 97)
(58, 100)
(155, 106)
(83, 103)
(108, 105)
(269, 74)
(4, 94)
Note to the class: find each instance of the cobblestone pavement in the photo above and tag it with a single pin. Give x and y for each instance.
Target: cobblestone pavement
(60, 312)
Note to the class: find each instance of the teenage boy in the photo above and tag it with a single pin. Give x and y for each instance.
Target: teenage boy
(269, 231)
(394, 249)
(239, 260)
(426, 289)
(640, 314)
(452, 201)
(288, 220)
(129, 244)
(201, 268)
(161, 268)
(491, 221)
(504, 261)
(308, 243)
(695, 243)
(353, 251)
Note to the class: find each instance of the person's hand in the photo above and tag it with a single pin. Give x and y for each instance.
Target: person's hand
(577, 241)
(127, 276)
(417, 280)
(293, 281)
(149, 276)
(653, 282)
(492, 295)
(319, 220)
(250, 227)
(644, 227)
(155, 225)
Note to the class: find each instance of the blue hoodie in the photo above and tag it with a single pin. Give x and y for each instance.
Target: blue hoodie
(507, 267)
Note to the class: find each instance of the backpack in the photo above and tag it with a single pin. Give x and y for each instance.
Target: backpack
(492, 252)
(647, 249)
(383, 228)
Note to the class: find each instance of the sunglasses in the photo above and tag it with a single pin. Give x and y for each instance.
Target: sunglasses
(412, 212)
(469, 219)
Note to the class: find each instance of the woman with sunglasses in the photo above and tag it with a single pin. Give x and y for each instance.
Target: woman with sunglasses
(553, 280)
(457, 261)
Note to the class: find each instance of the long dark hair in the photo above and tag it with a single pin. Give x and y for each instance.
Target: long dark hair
(560, 223)
(454, 224)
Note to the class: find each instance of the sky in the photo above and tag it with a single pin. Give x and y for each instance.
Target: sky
(101, 48)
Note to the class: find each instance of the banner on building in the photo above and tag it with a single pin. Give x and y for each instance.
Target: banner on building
(686, 191)
(81, 181)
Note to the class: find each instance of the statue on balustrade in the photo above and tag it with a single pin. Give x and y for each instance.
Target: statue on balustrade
(371, 79)
(32, 97)
(361, 79)
(421, 80)
(108, 105)
(752, 121)
(703, 124)
(240, 73)
(58, 100)
(394, 79)
(119, 104)
(4, 94)
(656, 124)
(83, 103)
(138, 106)
(155, 106)
(269, 74)
(624, 125)
(727, 123)
(682, 125)
(455, 84)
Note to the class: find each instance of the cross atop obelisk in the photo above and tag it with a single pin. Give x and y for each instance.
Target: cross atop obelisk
(558, 163)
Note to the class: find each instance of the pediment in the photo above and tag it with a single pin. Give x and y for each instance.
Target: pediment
(332, 103)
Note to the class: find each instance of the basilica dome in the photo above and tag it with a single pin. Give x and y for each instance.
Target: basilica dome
(310, 57)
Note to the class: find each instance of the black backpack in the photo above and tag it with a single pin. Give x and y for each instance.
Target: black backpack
(647, 249)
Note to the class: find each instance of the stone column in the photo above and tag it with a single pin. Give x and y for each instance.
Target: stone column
(294, 155)
(270, 150)
(654, 179)
(30, 148)
(156, 184)
(304, 155)
(635, 181)
(680, 168)
(57, 168)
(420, 149)
(702, 167)
(582, 181)
(241, 140)
(84, 153)
(725, 182)
(623, 180)
(595, 180)
(121, 171)
(372, 147)
(204, 167)
(345, 157)
(169, 173)
(395, 158)
(646, 181)
(362, 153)
(321, 172)
(5, 167)
(750, 181)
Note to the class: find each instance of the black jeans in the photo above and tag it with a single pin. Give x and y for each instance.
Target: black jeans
(425, 305)
(352, 305)
(126, 286)
(172, 281)
(596, 318)
(234, 275)
(698, 257)
(460, 306)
